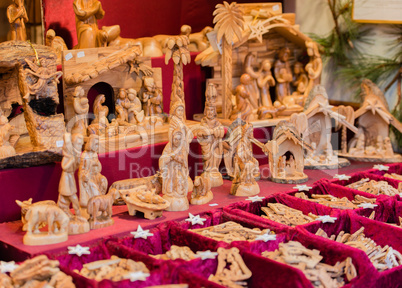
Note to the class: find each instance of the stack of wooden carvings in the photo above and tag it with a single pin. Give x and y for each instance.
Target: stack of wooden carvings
(334, 202)
(375, 187)
(286, 215)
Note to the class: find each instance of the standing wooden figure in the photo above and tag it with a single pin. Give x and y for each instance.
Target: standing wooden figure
(210, 138)
(6, 149)
(173, 165)
(67, 186)
(283, 74)
(81, 108)
(17, 16)
(246, 167)
(91, 181)
(314, 66)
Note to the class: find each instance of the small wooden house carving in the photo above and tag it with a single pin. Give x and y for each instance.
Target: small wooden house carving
(372, 142)
(286, 154)
(106, 70)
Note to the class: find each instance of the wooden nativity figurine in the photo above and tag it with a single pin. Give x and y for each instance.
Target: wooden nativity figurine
(6, 148)
(372, 142)
(243, 108)
(67, 187)
(91, 181)
(17, 17)
(152, 98)
(246, 167)
(40, 214)
(318, 133)
(210, 137)
(173, 165)
(145, 200)
(202, 193)
(286, 154)
(100, 122)
(81, 108)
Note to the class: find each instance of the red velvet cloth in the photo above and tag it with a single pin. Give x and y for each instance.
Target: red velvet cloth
(136, 18)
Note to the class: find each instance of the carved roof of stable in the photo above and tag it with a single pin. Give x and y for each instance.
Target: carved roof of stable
(103, 65)
(286, 130)
(13, 53)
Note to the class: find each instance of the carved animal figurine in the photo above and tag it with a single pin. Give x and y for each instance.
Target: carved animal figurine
(202, 193)
(25, 205)
(210, 137)
(17, 16)
(44, 212)
(101, 204)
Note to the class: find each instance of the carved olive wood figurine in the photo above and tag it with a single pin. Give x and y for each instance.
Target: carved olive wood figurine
(81, 108)
(17, 16)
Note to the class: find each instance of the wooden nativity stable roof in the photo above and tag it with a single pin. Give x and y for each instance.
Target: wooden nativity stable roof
(14, 53)
(286, 130)
(289, 31)
(103, 65)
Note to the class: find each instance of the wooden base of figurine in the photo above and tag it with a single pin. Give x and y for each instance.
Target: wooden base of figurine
(214, 177)
(396, 158)
(177, 204)
(293, 180)
(245, 189)
(43, 238)
(203, 199)
(339, 163)
(78, 225)
(148, 213)
(100, 222)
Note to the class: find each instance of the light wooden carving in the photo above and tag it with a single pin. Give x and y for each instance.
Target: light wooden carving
(231, 231)
(246, 167)
(317, 132)
(173, 163)
(99, 125)
(152, 98)
(81, 108)
(210, 137)
(237, 272)
(99, 209)
(44, 212)
(372, 142)
(176, 252)
(40, 272)
(286, 154)
(338, 203)
(6, 149)
(286, 215)
(114, 269)
(383, 258)
(228, 22)
(67, 186)
(314, 66)
(309, 261)
(56, 43)
(177, 50)
(202, 193)
(243, 108)
(145, 200)
(375, 187)
(17, 17)
(91, 181)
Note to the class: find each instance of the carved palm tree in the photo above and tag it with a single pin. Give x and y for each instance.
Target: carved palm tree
(177, 49)
(228, 22)
(349, 113)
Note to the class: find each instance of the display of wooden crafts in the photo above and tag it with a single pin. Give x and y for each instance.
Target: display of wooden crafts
(286, 154)
(318, 133)
(286, 215)
(91, 181)
(177, 252)
(17, 17)
(37, 272)
(210, 137)
(372, 142)
(81, 108)
(246, 167)
(237, 271)
(145, 200)
(99, 209)
(202, 193)
(268, 38)
(173, 165)
(67, 186)
(152, 98)
(40, 214)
